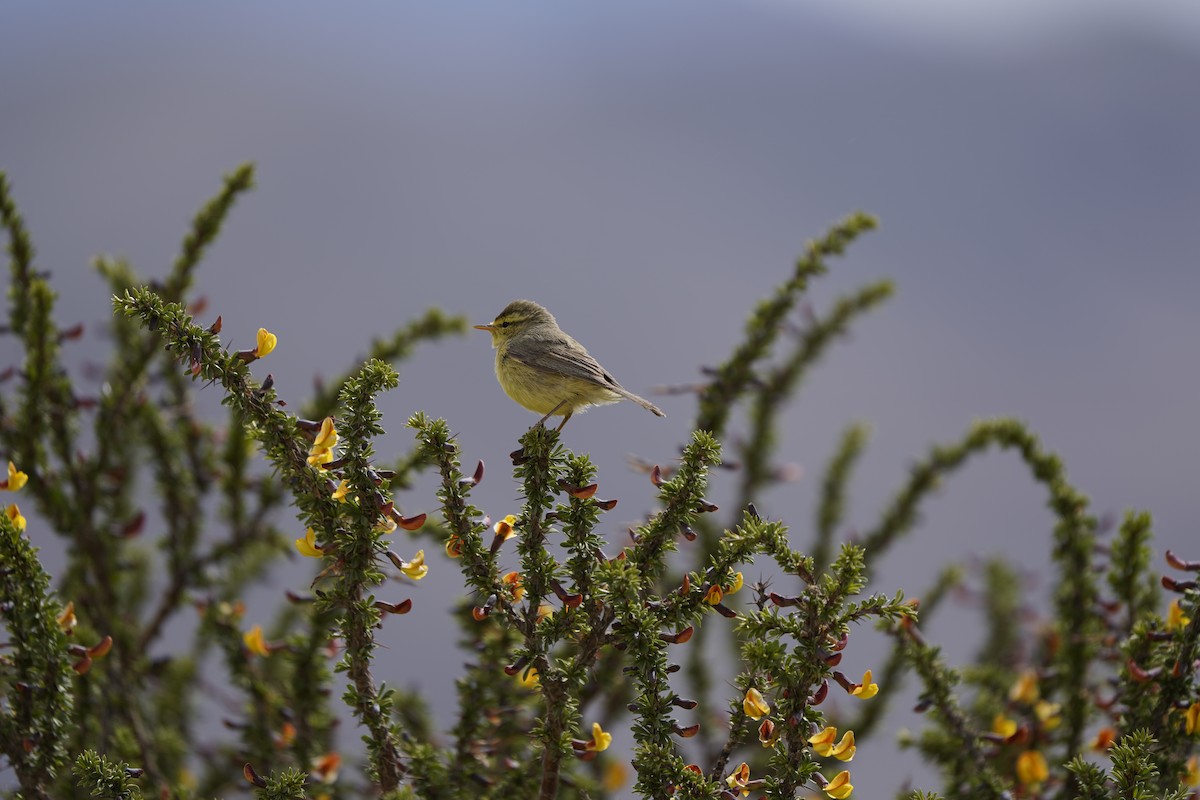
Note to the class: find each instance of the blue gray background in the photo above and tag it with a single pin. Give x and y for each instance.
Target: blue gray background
(648, 171)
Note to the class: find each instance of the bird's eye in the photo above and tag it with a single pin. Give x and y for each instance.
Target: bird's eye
(504, 324)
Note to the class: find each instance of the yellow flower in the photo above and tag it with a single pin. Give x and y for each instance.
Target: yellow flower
(504, 527)
(544, 611)
(737, 583)
(385, 524)
(1025, 690)
(865, 690)
(341, 491)
(822, 742)
(1191, 720)
(14, 516)
(754, 705)
(1031, 768)
(1003, 726)
(1048, 713)
(327, 437)
(319, 456)
(416, 568)
(67, 619)
(254, 641)
(266, 342)
(454, 546)
(1175, 617)
(529, 678)
(615, 776)
(1192, 777)
(845, 749)
(16, 478)
(308, 545)
(840, 787)
(600, 739)
(738, 779)
(713, 595)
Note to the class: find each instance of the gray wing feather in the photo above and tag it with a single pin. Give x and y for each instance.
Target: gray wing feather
(562, 355)
(558, 356)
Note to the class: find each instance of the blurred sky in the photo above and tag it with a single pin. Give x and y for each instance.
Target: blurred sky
(648, 171)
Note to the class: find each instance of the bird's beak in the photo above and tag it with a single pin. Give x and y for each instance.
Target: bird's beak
(488, 327)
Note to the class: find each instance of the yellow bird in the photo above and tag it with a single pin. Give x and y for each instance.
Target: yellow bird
(547, 371)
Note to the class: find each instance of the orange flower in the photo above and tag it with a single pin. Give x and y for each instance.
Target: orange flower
(1104, 739)
(325, 768)
(840, 787)
(1031, 768)
(454, 547)
(512, 580)
(287, 735)
(714, 595)
(67, 619)
(1192, 777)
(754, 705)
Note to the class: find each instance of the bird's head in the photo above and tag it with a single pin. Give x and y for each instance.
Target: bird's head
(517, 317)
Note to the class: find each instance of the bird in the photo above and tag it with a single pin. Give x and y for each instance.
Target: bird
(545, 370)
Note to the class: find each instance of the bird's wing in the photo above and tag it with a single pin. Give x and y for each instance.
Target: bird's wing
(560, 356)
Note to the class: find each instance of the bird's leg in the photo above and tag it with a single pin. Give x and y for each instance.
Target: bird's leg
(566, 417)
(551, 413)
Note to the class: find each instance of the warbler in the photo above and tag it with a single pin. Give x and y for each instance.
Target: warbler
(547, 371)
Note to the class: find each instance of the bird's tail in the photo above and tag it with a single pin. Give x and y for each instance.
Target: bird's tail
(646, 404)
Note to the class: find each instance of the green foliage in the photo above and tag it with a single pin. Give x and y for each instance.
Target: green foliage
(579, 640)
